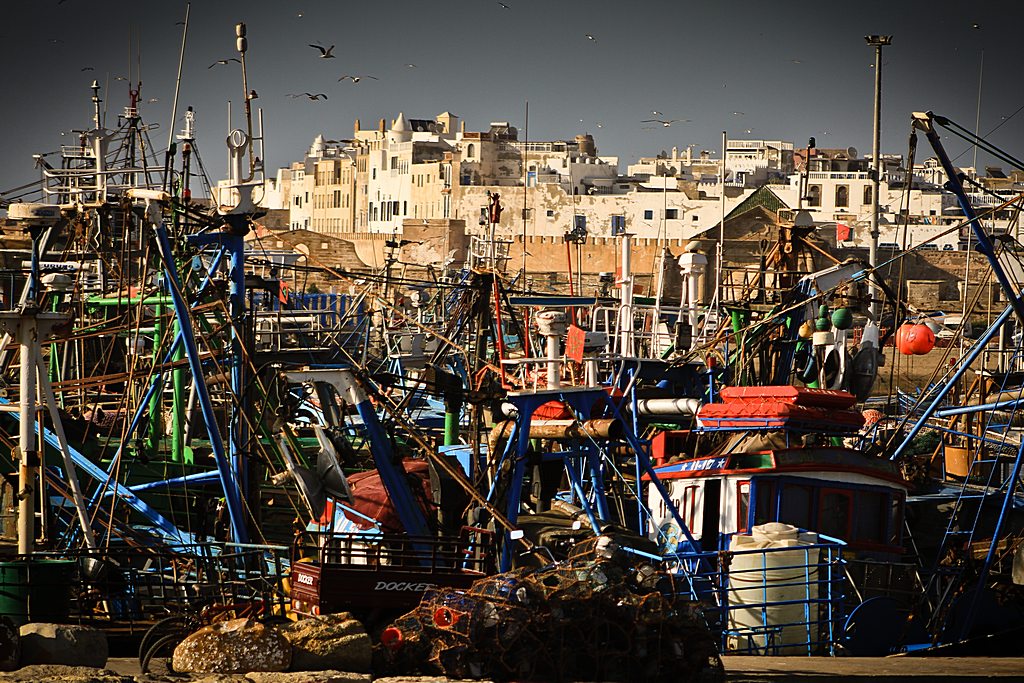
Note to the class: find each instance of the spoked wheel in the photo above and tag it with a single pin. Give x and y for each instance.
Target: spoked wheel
(177, 626)
(157, 658)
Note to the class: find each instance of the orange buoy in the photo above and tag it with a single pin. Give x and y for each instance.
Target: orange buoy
(445, 618)
(915, 340)
(391, 638)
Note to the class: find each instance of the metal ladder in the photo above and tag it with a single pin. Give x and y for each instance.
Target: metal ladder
(964, 527)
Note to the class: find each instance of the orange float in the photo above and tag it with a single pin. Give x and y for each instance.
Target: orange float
(915, 340)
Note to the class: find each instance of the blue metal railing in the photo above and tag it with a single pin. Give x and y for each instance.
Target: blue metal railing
(778, 600)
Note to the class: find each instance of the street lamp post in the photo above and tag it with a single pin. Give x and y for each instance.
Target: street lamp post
(876, 42)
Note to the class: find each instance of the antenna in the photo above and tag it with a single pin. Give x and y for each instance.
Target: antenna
(242, 44)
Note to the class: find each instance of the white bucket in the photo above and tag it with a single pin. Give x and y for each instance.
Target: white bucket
(786, 572)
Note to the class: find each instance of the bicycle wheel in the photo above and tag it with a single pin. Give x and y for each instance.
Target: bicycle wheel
(157, 659)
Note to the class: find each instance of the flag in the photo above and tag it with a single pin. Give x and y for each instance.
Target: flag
(844, 233)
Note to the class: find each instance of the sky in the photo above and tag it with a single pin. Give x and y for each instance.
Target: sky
(788, 69)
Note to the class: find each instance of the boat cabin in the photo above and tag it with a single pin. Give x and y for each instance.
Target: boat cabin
(832, 491)
(783, 460)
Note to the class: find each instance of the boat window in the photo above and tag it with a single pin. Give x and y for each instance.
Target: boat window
(764, 503)
(871, 519)
(795, 507)
(689, 505)
(742, 505)
(896, 519)
(834, 512)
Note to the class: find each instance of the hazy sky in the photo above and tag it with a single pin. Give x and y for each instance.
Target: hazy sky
(780, 70)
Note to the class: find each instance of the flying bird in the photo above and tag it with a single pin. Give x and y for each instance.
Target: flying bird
(325, 52)
(313, 96)
(153, 100)
(590, 36)
(356, 79)
(502, 4)
(253, 95)
(225, 61)
(665, 122)
(655, 112)
(411, 65)
(88, 68)
(739, 113)
(120, 78)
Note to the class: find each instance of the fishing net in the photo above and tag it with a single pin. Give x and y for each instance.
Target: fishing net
(597, 616)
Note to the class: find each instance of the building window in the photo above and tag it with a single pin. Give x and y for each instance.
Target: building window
(814, 195)
(648, 214)
(867, 194)
(550, 213)
(842, 195)
(671, 214)
(470, 150)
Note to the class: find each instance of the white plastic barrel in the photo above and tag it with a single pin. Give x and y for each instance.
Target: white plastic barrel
(786, 571)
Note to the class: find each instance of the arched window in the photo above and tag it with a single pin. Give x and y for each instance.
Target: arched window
(470, 150)
(814, 195)
(842, 195)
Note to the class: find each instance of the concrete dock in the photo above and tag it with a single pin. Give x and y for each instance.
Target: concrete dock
(816, 669)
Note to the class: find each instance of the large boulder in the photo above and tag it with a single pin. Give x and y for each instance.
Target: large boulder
(67, 644)
(236, 646)
(332, 642)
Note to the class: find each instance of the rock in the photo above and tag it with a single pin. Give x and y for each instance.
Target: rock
(58, 673)
(67, 644)
(332, 642)
(309, 677)
(10, 647)
(236, 646)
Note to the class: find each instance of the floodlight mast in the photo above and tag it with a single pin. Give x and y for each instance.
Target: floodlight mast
(877, 42)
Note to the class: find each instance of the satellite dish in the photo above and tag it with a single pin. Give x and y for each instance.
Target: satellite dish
(309, 485)
(328, 468)
(328, 480)
(851, 152)
(312, 489)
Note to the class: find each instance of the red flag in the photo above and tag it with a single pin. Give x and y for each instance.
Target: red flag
(844, 233)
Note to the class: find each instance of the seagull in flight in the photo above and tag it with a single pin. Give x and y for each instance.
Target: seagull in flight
(411, 65)
(655, 112)
(739, 113)
(502, 4)
(225, 61)
(325, 52)
(665, 122)
(590, 36)
(88, 68)
(356, 79)
(316, 97)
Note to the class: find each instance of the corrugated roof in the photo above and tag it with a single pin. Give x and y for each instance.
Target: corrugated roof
(762, 197)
